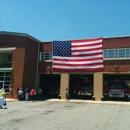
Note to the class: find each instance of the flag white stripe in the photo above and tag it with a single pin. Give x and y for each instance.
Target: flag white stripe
(87, 52)
(78, 63)
(80, 58)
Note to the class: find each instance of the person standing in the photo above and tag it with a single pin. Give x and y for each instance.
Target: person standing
(32, 94)
(2, 97)
(27, 94)
(20, 94)
(39, 93)
(67, 95)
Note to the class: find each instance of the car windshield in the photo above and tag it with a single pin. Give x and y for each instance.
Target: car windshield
(86, 86)
(117, 86)
(89, 86)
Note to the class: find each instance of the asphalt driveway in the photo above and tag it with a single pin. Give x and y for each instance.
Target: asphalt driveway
(61, 115)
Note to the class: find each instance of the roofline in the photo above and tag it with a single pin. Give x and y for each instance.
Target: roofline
(117, 37)
(31, 37)
(20, 34)
(90, 38)
(71, 39)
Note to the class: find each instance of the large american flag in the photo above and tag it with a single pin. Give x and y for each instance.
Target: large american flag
(78, 55)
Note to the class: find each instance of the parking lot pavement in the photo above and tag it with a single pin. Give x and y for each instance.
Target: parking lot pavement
(62, 115)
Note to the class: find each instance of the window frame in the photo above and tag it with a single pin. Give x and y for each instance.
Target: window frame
(116, 54)
(8, 61)
(43, 56)
(6, 81)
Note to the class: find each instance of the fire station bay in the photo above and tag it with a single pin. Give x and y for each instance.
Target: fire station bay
(28, 62)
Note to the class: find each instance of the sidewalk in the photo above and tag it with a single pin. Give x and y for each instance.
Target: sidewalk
(90, 101)
(81, 101)
(11, 99)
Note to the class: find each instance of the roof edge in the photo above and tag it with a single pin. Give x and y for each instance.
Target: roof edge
(117, 36)
(20, 34)
(127, 36)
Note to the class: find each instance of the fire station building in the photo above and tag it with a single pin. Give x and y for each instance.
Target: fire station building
(27, 62)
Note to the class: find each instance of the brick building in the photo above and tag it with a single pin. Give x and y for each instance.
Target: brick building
(18, 61)
(27, 62)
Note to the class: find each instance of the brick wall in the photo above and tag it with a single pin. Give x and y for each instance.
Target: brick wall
(24, 61)
(30, 63)
(45, 47)
(120, 42)
(108, 43)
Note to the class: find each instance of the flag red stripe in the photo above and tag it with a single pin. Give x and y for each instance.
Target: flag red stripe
(78, 70)
(76, 60)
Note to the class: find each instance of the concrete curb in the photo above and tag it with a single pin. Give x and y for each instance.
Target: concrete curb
(10, 99)
(80, 101)
(89, 101)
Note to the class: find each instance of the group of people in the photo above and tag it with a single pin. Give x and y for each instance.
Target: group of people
(29, 94)
(2, 97)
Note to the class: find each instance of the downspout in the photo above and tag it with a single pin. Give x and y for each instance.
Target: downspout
(36, 80)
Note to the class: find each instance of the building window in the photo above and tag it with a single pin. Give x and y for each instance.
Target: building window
(5, 80)
(120, 53)
(105, 53)
(127, 53)
(45, 56)
(9, 58)
(110, 53)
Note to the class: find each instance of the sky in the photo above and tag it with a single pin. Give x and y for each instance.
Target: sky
(49, 20)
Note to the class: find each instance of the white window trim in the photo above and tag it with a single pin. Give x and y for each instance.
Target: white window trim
(4, 76)
(116, 58)
(44, 60)
(10, 49)
(118, 54)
